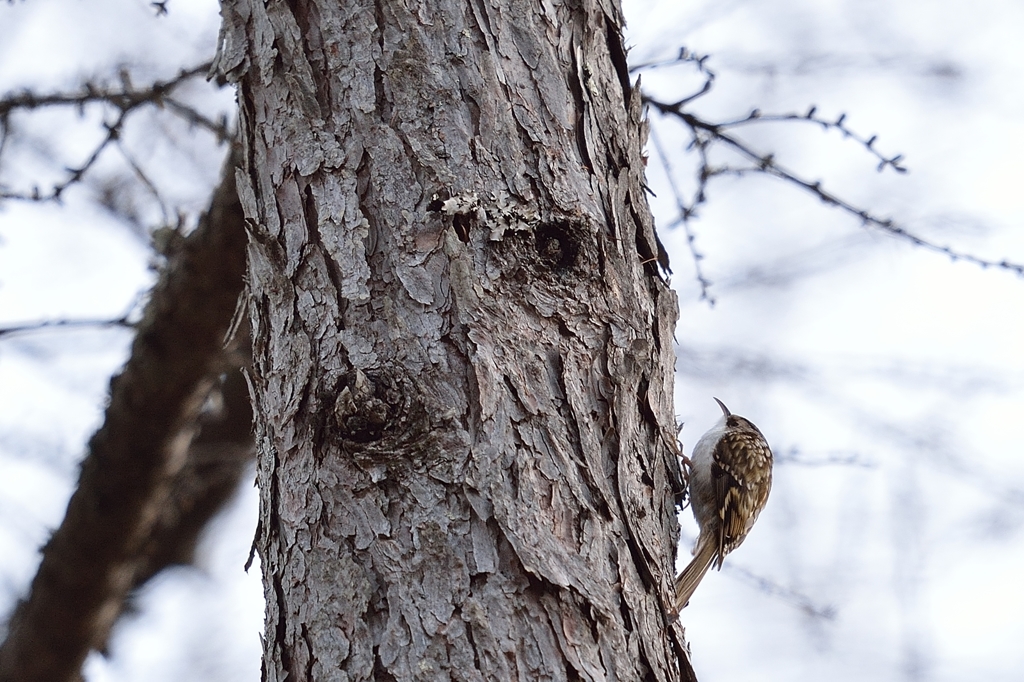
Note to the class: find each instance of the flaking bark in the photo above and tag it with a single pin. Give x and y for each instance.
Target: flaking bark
(462, 343)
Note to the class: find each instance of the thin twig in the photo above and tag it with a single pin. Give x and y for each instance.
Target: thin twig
(125, 99)
(686, 212)
(220, 129)
(46, 325)
(755, 116)
(767, 165)
(144, 179)
(704, 134)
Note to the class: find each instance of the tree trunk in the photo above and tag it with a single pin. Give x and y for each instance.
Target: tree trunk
(462, 343)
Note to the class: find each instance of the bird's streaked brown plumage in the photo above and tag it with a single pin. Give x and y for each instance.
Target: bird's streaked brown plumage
(730, 478)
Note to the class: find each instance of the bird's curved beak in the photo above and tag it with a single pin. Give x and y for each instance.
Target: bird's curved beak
(725, 410)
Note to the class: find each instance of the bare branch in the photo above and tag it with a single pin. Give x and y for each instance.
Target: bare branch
(46, 325)
(704, 134)
(755, 116)
(125, 99)
(685, 57)
(687, 211)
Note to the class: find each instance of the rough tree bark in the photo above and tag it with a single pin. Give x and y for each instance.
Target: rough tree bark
(462, 343)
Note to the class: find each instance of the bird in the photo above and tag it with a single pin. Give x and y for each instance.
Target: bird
(730, 478)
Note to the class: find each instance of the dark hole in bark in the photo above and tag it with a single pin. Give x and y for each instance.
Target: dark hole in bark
(557, 245)
(461, 224)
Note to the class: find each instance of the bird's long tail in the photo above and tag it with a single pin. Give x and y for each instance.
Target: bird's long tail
(687, 581)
